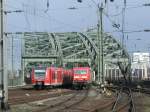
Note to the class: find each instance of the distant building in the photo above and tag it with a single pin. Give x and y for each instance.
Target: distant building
(141, 65)
(141, 57)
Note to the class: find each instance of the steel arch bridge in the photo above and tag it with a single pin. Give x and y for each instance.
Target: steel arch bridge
(68, 49)
(71, 49)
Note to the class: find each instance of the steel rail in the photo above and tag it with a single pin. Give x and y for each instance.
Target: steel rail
(53, 106)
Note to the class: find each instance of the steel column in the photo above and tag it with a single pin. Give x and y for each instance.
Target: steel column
(3, 61)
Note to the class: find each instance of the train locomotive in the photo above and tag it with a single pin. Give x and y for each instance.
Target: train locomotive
(82, 77)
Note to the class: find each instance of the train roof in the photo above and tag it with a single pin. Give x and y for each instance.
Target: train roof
(81, 68)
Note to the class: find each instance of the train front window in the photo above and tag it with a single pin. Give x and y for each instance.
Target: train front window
(82, 72)
(40, 73)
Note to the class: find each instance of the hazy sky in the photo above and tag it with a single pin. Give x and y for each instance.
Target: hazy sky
(60, 18)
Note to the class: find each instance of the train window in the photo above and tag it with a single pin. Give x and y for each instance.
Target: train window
(81, 72)
(40, 73)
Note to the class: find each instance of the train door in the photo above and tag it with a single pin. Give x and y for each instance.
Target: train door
(54, 77)
(59, 76)
(47, 77)
(32, 76)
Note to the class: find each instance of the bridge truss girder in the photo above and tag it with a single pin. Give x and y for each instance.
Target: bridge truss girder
(71, 47)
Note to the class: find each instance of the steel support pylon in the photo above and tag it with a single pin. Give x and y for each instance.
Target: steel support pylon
(3, 62)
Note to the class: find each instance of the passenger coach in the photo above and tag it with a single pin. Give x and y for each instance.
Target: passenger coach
(50, 77)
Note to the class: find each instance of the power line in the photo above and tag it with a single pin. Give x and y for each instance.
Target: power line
(50, 9)
(27, 20)
(47, 6)
(63, 22)
(39, 15)
(46, 18)
(114, 24)
(42, 10)
(14, 25)
(130, 31)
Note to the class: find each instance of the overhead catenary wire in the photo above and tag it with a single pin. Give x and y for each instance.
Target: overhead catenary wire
(47, 8)
(89, 6)
(53, 19)
(42, 10)
(114, 24)
(38, 8)
(45, 18)
(40, 14)
(127, 8)
(26, 18)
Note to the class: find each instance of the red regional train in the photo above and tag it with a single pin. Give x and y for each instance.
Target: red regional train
(50, 77)
(82, 77)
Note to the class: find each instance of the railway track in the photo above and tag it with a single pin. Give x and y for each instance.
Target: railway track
(140, 95)
(80, 101)
(102, 106)
(30, 96)
(74, 99)
(77, 101)
(128, 104)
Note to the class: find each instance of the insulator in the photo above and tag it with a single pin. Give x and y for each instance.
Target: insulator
(112, 0)
(79, 0)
